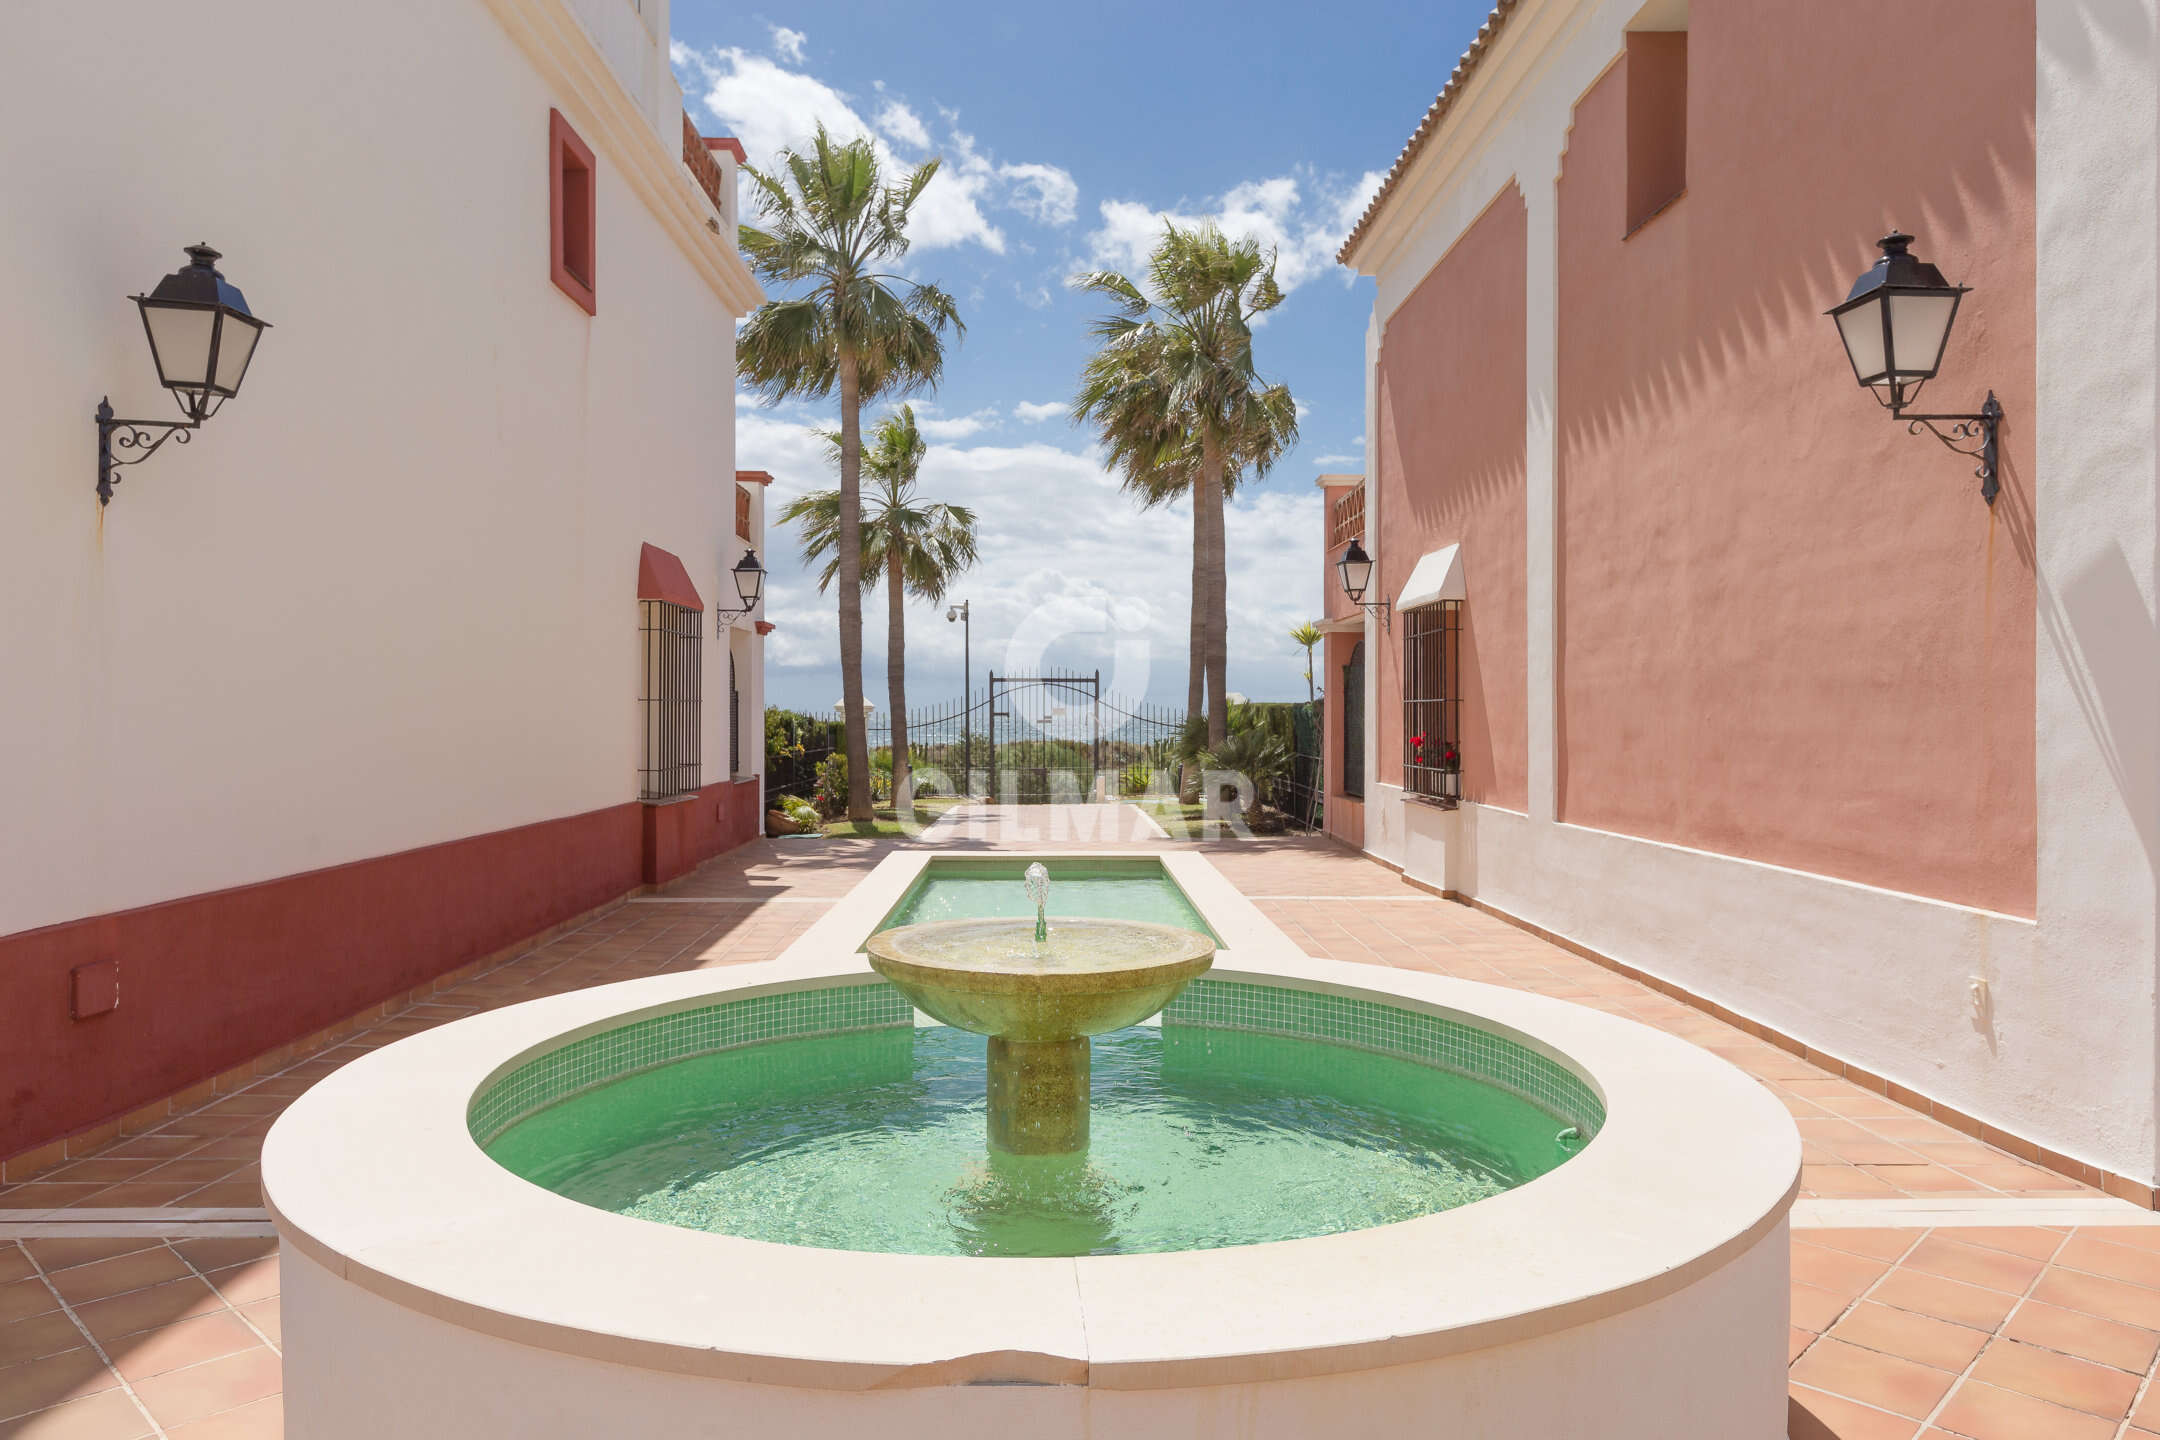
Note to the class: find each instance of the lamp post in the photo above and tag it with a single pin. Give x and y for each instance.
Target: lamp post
(749, 586)
(959, 612)
(1355, 571)
(201, 338)
(1896, 324)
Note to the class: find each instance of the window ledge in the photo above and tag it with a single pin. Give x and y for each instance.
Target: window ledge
(1434, 802)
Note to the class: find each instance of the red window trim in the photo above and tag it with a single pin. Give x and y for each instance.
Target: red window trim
(572, 204)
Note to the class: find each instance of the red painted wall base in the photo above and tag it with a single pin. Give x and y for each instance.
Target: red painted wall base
(211, 981)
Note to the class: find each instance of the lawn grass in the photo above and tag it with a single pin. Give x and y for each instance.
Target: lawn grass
(888, 823)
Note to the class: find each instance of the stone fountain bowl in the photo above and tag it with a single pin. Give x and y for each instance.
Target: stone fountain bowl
(991, 977)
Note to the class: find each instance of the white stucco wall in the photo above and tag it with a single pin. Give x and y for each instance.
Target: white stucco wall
(387, 597)
(2065, 1052)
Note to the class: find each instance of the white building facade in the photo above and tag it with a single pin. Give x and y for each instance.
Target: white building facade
(359, 683)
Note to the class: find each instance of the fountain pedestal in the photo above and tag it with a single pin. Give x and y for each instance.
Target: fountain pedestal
(1039, 1095)
(1038, 1000)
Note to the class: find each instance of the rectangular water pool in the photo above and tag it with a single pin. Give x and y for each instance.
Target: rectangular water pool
(1091, 887)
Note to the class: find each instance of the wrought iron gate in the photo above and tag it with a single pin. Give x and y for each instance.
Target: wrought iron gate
(1046, 741)
(1353, 723)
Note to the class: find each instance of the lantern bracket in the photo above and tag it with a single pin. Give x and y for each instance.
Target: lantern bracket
(132, 435)
(1969, 435)
(1381, 608)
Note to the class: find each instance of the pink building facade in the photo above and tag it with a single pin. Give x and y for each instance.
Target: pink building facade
(1742, 685)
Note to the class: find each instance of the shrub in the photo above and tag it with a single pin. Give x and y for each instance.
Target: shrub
(1134, 779)
(832, 784)
(801, 811)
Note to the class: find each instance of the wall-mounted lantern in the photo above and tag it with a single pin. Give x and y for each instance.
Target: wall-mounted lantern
(749, 585)
(1355, 570)
(202, 337)
(1896, 325)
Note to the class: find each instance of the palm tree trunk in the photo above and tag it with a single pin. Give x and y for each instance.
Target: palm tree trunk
(1196, 668)
(903, 778)
(850, 582)
(1218, 619)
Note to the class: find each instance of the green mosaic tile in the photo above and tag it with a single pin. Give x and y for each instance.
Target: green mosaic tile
(612, 1054)
(1410, 1034)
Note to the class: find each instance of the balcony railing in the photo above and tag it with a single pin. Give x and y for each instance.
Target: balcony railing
(1346, 520)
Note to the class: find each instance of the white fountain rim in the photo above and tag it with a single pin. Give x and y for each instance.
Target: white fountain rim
(374, 1175)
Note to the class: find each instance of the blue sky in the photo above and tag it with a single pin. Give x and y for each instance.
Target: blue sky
(1067, 136)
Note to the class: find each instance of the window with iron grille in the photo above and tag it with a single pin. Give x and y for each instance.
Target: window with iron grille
(1432, 701)
(1353, 723)
(734, 720)
(674, 669)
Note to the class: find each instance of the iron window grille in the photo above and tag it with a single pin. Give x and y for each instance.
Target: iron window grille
(671, 640)
(1353, 723)
(1432, 701)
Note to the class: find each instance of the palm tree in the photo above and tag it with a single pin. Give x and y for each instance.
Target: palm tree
(919, 547)
(1307, 635)
(830, 224)
(1173, 394)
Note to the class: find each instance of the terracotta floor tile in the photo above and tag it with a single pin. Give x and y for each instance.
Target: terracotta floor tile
(1910, 1336)
(200, 1391)
(220, 1252)
(2087, 1336)
(1796, 1341)
(182, 1343)
(1986, 1413)
(107, 1415)
(1813, 1415)
(2147, 1414)
(1952, 1259)
(2138, 1237)
(24, 1298)
(1834, 1270)
(2116, 1300)
(65, 1254)
(1873, 1378)
(15, 1263)
(146, 1309)
(1816, 1310)
(256, 1280)
(267, 1316)
(122, 1273)
(237, 1193)
(47, 1195)
(53, 1380)
(1883, 1245)
(2031, 1241)
(140, 1194)
(1945, 1299)
(2097, 1256)
(2061, 1379)
(1842, 1181)
(262, 1420)
(1924, 1179)
(38, 1336)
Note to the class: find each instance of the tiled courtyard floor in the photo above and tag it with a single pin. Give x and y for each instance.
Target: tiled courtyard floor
(1992, 1332)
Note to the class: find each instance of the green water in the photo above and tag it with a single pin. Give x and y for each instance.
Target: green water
(1139, 889)
(874, 1141)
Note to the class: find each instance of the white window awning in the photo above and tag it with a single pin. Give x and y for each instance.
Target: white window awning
(1437, 576)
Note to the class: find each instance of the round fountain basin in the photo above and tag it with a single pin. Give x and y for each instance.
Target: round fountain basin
(994, 978)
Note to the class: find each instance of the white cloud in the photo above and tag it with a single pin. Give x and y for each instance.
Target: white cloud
(770, 106)
(903, 125)
(1035, 414)
(1044, 193)
(1304, 231)
(1336, 459)
(1109, 592)
(1303, 410)
(788, 44)
(956, 427)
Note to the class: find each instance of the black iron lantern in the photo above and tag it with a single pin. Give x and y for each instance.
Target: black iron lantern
(202, 336)
(1355, 570)
(201, 333)
(749, 585)
(1895, 324)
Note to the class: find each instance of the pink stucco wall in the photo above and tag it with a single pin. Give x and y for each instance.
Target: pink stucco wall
(1345, 814)
(1789, 631)
(1449, 458)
